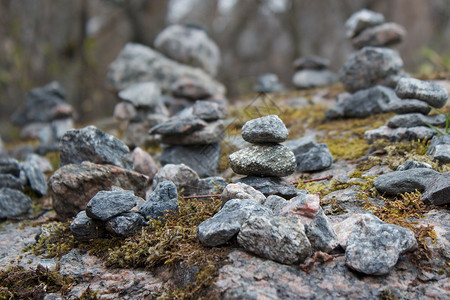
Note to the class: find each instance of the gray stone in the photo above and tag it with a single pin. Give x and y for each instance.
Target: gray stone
(107, 204)
(309, 155)
(74, 185)
(41, 162)
(92, 144)
(406, 106)
(209, 111)
(275, 203)
(13, 203)
(321, 234)
(85, 229)
(383, 35)
(144, 94)
(190, 89)
(374, 248)
(337, 111)
(35, 178)
(125, 224)
(415, 119)
(211, 185)
(268, 83)
(226, 224)
(371, 66)
(138, 63)
(181, 175)
(11, 182)
(304, 207)
(306, 78)
(271, 186)
(203, 159)
(432, 93)
(345, 228)
(438, 191)
(311, 62)
(163, 199)
(361, 20)
(10, 166)
(212, 133)
(277, 238)
(124, 111)
(136, 133)
(241, 191)
(440, 148)
(397, 182)
(399, 134)
(189, 45)
(264, 160)
(268, 129)
(178, 127)
(412, 164)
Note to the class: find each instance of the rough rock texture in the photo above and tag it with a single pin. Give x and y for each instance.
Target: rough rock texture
(85, 228)
(384, 35)
(143, 94)
(138, 63)
(190, 89)
(345, 228)
(438, 191)
(107, 204)
(440, 148)
(410, 180)
(412, 164)
(311, 62)
(306, 78)
(178, 127)
(406, 106)
(304, 207)
(143, 162)
(203, 159)
(415, 119)
(361, 20)
(212, 133)
(430, 92)
(10, 166)
(309, 155)
(208, 110)
(189, 45)
(35, 178)
(275, 203)
(264, 160)
(125, 224)
(74, 185)
(13, 203)
(277, 238)
(271, 186)
(93, 145)
(267, 129)
(321, 234)
(181, 175)
(241, 191)
(371, 66)
(374, 248)
(226, 224)
(399, 134)
(164, 198)
(12, 182)
(211, 185)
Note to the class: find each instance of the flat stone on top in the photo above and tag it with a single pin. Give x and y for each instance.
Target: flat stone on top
(361, 20)
(432, 93)
(268, 129)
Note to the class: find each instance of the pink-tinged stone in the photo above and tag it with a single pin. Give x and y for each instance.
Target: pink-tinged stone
(305, 207)
(345, 228)
(143, 162)
(241, 191)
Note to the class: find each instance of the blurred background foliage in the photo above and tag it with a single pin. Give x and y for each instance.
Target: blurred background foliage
(73, 42)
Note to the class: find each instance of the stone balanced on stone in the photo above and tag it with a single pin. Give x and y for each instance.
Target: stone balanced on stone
(266, 157)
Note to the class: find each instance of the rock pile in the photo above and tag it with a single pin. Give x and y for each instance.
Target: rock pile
(45, 115)
(310, 155)
(268, 83)
(312, 71)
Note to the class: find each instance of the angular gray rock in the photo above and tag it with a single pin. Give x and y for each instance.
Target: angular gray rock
(41, 162)
(277, 238)
(189, 45)
(226, 224)
(267, 129)
(264, 160)
(93, 145)
(138, 63)
(74, 185)
(11, 182)
(268, 83)
(203, 159)
(125, 224)
(321, 234)
(438, 191)
(306, 78)
(35, 178)
(374, 248)
(416, 119)
(406, 106)
(345, 228)
(271, 186)
(399, 134)
(163, 199)
(209, 111)
(440, 148)
(371, 66)
(143, 94)
(85, 229)
(430, 92)
(397, 182)
(107, 204)
(383, 35)
(213, 132)
(241, 190)
(311, 62)
(211, 185)
(10, 166)
(181, 175)
(361, 20)
(190, 89)
(304, 207)
(275, 203)
(412, 164)
(13, 203)
(309, 155)
(178, 127)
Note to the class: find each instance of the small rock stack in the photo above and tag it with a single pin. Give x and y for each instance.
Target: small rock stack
(193, 137)
(268, 83)
(266, 160)
(416, 97)
(312, 71)
(45, 115)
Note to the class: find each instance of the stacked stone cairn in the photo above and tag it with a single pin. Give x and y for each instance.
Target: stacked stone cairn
(45, 116)
(312, 71)
(268, 83)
